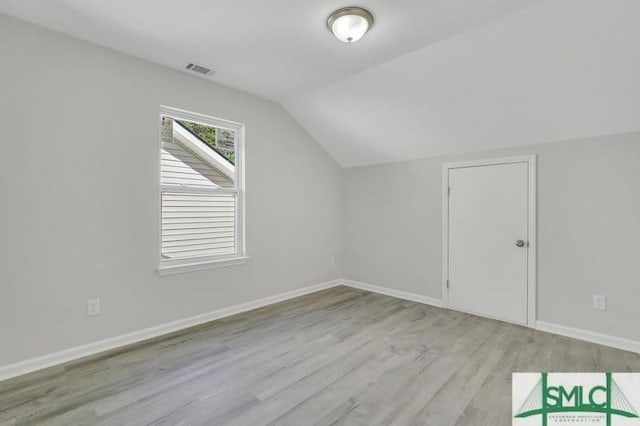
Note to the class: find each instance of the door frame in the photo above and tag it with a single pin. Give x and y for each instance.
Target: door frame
(532, 252)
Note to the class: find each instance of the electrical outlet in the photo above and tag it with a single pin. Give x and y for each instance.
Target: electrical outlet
(93, 307)
(599, 302)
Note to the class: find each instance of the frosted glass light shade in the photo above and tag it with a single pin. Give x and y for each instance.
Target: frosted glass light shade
(350, 23)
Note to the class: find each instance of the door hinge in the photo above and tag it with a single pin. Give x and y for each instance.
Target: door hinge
(447, 284)
(449, 191)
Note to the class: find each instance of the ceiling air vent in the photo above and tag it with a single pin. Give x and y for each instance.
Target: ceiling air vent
(198, 69)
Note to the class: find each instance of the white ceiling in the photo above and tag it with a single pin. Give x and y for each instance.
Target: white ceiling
(432, 77)
(273, 48)
(558, 70)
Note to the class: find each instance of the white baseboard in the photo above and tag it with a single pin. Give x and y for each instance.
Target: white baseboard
(562, 330)
(589, 336)
(393, 293)
(50, 360)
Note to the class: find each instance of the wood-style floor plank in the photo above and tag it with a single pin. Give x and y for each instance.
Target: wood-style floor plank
(336, 357)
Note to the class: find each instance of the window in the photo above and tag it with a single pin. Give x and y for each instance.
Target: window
(201, 191)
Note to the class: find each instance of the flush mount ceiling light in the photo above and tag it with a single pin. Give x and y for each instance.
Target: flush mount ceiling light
(349, 24)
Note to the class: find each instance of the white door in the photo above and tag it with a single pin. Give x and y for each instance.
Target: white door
(488, 241)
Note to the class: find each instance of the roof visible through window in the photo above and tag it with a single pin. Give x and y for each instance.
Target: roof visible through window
(219, 140)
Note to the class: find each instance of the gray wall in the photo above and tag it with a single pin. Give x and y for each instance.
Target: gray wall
(79, 180)
(588, 229)
(79, 184)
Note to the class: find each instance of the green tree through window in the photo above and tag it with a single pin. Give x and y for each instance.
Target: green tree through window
(208, 135)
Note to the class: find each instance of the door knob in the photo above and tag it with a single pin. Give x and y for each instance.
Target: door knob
(520, 243)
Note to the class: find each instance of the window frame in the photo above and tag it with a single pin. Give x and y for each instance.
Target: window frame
(239, 256)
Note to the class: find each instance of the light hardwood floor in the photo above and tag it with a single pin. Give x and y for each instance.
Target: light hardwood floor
(340, 356)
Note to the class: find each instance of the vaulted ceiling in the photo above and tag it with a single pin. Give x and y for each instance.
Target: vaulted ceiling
(559, 70)
(432, 76)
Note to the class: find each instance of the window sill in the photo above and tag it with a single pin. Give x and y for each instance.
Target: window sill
(201, 266)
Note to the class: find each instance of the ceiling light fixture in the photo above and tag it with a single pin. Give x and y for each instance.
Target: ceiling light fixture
(349, 24)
